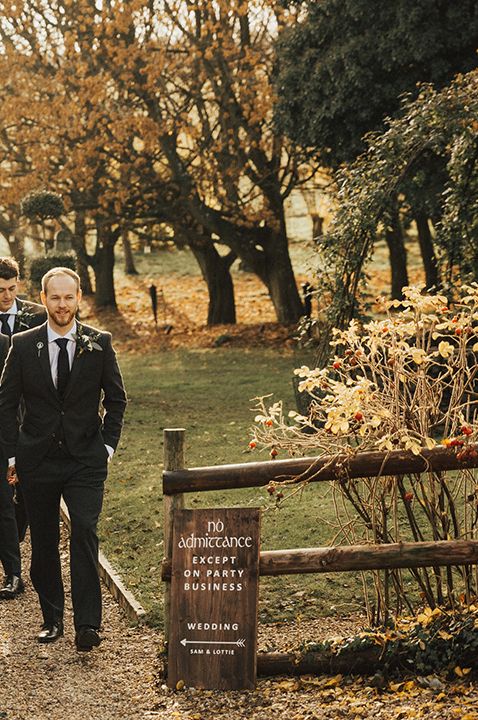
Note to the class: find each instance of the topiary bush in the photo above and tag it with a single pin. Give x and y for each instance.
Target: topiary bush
(42, 205)
(40, 265)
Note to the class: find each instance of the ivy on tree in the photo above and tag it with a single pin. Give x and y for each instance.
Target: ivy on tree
(443, 123)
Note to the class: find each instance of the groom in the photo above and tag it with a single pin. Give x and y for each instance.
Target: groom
(63, 370)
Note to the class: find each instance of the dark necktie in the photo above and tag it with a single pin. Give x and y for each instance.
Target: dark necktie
(6, 330)
(63, 365)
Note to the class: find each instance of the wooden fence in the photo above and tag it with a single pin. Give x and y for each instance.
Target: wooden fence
(179, 480)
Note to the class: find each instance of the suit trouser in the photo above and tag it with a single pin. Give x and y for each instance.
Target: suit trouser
(21, 515)
(82, 489)
(9, 543)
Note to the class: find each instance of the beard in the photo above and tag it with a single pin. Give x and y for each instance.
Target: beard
(64, 318)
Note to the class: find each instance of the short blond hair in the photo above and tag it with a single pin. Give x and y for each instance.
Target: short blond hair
(53, 272)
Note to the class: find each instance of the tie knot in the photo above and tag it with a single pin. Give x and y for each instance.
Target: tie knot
(62, 343)
(4, 316)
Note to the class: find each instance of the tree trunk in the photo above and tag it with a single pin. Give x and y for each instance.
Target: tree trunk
(105, 288)
(427, 251)
(79, 243)
(317, 226)
(216, 273)
(398, 258)
(266, 253)
(103, 266)
(280, 280)
(271, 262)
(273, 266)
(349, 661)
(129, 266)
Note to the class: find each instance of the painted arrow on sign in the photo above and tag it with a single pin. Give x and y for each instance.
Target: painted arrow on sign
(240, 643)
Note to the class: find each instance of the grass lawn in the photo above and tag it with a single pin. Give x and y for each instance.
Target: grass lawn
(208, 393)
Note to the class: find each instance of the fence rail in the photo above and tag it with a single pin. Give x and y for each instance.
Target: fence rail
(366, 464)
(343, 558)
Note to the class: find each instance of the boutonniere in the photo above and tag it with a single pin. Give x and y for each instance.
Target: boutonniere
(39, 347)
(86, 342)
(24, 318)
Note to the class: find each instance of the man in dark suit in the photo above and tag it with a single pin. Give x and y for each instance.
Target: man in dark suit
(63, 371)
(16, 315)
(9, 544)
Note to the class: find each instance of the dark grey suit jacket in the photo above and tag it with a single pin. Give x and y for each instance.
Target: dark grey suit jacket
(75, 419)
(29, 315)
(4, 348)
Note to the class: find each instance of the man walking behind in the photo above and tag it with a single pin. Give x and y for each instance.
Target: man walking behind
(15, 316)
(63, 370)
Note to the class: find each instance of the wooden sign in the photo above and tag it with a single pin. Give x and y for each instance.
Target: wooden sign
(214, 593)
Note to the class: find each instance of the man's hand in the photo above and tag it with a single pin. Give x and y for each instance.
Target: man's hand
(12, 478)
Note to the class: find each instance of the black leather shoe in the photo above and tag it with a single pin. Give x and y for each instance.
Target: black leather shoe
(50, 632)
(12, 587)
(86, 639)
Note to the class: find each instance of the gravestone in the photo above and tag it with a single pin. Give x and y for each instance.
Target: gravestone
(63, 241)
(214, 594)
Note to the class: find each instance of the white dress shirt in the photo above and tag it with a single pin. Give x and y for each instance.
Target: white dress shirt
(54, 350)
(11, 312)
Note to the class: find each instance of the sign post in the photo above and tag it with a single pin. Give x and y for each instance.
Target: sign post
(214, 594)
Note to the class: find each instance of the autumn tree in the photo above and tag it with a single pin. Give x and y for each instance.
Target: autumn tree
(144, 101)
(204, 85)
(10, 231)
(41, 116)
(16, 180)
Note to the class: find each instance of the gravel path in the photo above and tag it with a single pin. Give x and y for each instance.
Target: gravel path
(54, 682)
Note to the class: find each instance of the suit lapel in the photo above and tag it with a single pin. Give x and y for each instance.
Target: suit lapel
(16, 322)
(76, 368)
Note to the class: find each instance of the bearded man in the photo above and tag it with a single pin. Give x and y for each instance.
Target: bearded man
(64, 371)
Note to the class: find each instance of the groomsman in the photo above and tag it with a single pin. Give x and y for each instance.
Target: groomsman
(9, 544)
(15, 316)
(64, 371)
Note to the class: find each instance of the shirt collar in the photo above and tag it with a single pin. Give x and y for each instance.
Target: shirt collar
(52, 335)
(13, 309)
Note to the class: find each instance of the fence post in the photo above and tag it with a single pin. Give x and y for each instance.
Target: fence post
(173, 460)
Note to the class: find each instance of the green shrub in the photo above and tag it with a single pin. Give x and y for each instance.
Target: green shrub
(41, 205)
(40, 265)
